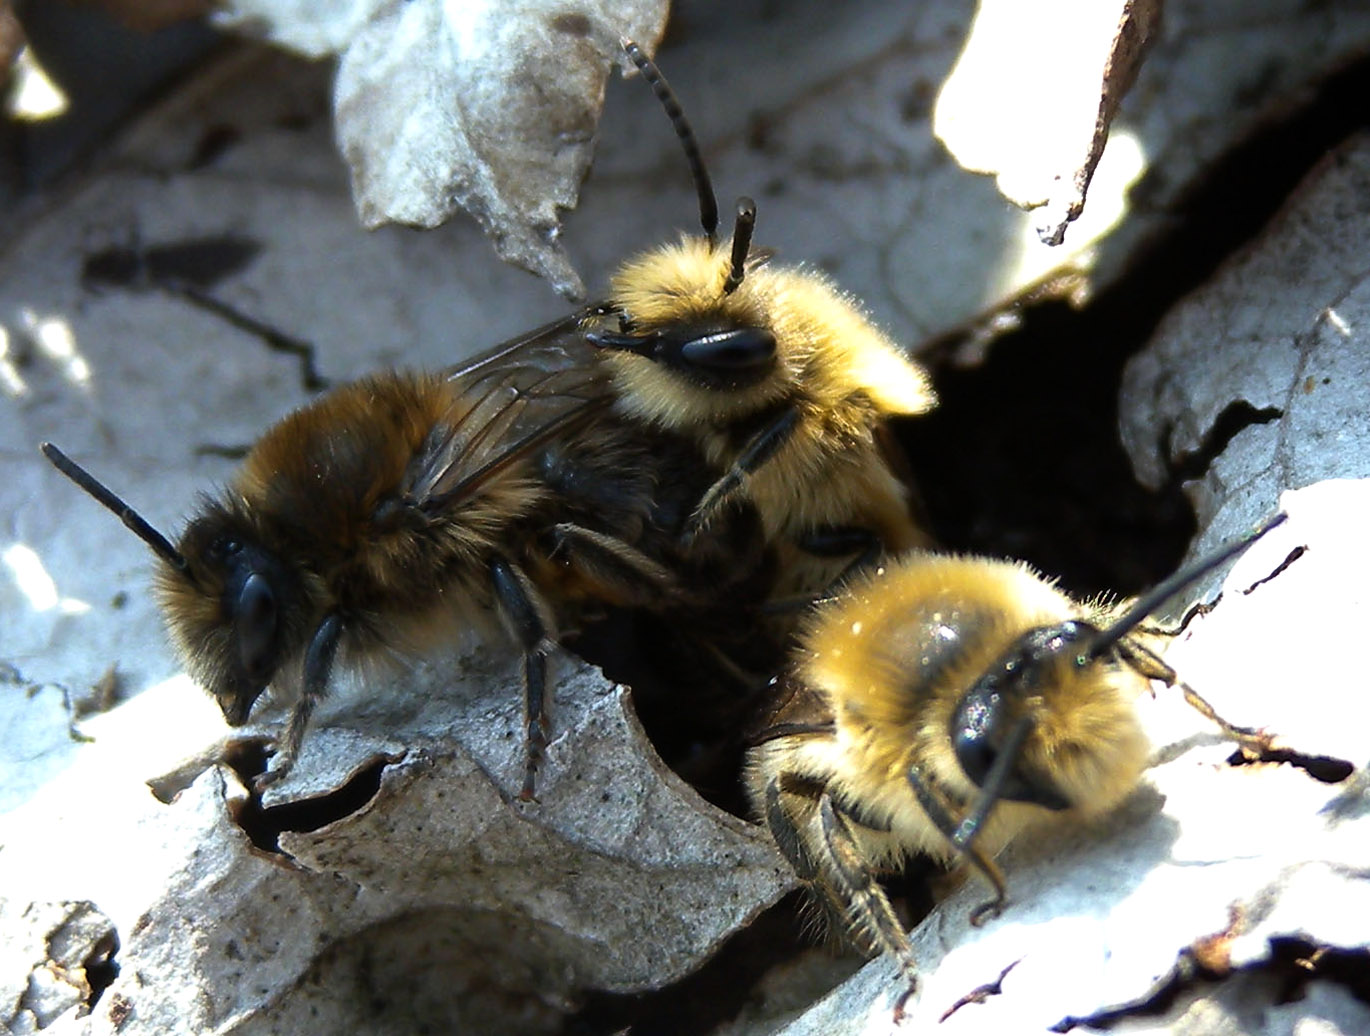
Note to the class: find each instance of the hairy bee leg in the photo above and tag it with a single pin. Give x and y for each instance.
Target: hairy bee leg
(786, 832)
(622, 570)
(837, 872)
(870, 909)
(762, 447)
(1253, 743)
(940, 814)
(318, 666)
(526, 616)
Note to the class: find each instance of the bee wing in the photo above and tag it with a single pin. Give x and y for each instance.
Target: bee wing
(794, 709)
(555, 346)
(509, 401)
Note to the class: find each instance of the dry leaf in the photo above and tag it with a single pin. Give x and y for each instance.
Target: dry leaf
(485, 106)
(1033, 93)
(1256, 382)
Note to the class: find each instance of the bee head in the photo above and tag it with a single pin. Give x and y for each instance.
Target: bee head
(232, 607)
(679, 307)
(235, 614)
(1051, 722)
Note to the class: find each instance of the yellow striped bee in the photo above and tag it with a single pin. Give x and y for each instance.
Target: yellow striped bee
(946, 705)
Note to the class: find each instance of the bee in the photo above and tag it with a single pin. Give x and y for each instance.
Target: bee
(671, 448)
(946, 705)
(396, 512)
(778, 377)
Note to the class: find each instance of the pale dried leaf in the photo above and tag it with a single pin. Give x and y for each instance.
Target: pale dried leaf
(1033, 93)
(485, 106)
(1256, 382)
(621, 878)
(47, 949)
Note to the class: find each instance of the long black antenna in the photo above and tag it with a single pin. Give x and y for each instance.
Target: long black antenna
(1153, 600)
(708, 205)
(136, 523)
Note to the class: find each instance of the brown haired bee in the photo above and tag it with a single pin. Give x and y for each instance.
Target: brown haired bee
(395, 512)
(779, 378)
(944, 705)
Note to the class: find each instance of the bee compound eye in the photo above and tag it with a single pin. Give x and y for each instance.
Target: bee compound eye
(255, 621)
(739, 350)
(974, 753)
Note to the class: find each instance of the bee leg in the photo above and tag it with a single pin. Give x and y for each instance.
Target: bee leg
(621, 570)
(1253, 743)
(783, 827)
(759, 449)
(961, 835)
(525, 614)
(833, 866)
(318, 666)
(870, 909)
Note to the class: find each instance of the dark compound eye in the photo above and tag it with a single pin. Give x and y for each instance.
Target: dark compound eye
(255, 620)
(977, 736)
(715, 358)
(975, 754)
(736, 350)
(225, 547)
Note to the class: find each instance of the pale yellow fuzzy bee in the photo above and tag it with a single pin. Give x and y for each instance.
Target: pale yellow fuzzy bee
(944, 706)
(779, 377)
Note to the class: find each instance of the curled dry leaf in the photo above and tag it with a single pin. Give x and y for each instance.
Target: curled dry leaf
(396, 867)
(486, 106)
(1032, 95)
(1257, 381)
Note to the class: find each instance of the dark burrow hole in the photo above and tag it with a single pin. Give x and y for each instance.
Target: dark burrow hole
(712, 995)
(1302, 961)
(264, 824)
(729, 980)
(1022, 458)
(101, 968)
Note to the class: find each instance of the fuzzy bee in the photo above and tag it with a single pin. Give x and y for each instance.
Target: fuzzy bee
(394, 513)
(946, 705)
(778, 377)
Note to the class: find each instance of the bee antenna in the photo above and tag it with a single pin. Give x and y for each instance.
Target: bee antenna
(1153, 600)
(742, 242)
(708, 205)
(993, 787)
(135, 522)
